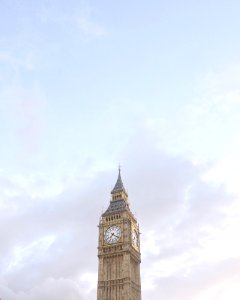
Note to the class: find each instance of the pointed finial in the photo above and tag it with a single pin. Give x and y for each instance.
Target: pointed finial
(119, 184)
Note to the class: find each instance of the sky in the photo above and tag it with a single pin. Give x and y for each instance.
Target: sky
(151, 85)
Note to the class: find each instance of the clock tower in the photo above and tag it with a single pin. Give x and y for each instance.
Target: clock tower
(119, 249)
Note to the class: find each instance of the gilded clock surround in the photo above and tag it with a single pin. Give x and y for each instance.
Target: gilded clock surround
(119, 257)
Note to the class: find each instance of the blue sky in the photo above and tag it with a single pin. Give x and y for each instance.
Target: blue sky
(152, 85)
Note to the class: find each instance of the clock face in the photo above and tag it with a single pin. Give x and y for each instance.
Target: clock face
(135, 240)
(112, 234)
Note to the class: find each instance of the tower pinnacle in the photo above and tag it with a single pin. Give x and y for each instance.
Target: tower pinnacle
(119, 187)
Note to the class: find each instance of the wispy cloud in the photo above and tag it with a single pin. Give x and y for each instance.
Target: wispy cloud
(26, 62)
(89, 27)
(22, 108)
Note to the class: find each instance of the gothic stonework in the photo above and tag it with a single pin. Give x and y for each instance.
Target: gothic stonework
(119, 250)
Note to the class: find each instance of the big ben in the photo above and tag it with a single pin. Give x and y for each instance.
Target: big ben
(119, 249)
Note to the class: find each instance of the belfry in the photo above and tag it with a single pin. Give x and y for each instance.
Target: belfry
(119, 249)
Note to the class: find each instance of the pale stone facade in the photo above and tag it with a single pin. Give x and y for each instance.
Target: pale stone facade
(119, 250)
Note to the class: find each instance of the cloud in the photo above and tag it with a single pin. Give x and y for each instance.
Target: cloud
(48, 289)
(90, 28)
(22, 111)
(49, 244)
(39, 32)
(204, 282)
(27, 61)
(206, 126)
(183, 217)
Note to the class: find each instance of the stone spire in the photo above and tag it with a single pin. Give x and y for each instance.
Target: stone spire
(119, 187)
(119, 201)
